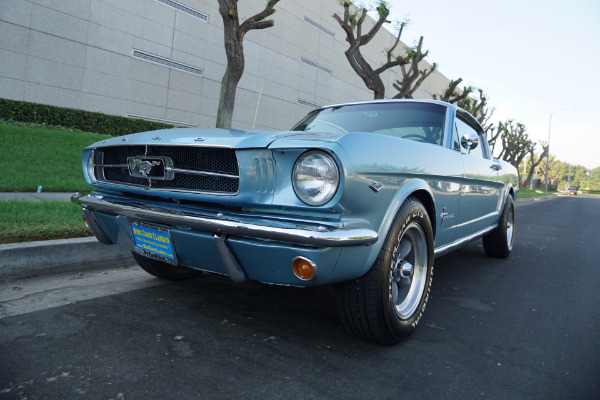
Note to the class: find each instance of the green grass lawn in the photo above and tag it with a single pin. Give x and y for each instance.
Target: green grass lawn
(51, 158)
(24, 221)
(36, 156)
(534, 193)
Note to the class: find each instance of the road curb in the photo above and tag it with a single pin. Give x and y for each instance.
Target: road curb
(24, 260)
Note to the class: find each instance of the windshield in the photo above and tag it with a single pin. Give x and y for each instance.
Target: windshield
(422, 122)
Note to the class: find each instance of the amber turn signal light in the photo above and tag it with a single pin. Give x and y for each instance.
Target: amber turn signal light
(304, 268)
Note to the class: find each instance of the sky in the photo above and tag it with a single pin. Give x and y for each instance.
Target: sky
(532, 58)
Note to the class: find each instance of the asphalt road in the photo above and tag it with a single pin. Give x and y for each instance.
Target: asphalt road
(523, 328)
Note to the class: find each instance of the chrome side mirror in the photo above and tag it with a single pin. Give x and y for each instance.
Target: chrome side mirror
(469, 141)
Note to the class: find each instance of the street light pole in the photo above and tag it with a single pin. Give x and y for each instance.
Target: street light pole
(548, 151)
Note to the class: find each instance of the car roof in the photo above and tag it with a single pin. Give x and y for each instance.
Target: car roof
(442, 103)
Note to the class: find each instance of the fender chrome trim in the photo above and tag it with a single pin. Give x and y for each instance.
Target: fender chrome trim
(300, 234)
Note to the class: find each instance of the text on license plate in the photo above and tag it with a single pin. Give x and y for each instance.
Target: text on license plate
(152, 239)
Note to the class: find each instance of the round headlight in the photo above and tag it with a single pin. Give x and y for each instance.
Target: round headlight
(90, 167)
(315, 177)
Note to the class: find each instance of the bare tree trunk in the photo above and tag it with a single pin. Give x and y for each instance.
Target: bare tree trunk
(227, 98)
(515, 142)
(451, 95)
(409, 83)
(366, 73)
(234, 49)
(493, 134)
(352, 24)
(534, 164)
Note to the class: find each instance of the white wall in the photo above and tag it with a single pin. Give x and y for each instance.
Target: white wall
(78, 54)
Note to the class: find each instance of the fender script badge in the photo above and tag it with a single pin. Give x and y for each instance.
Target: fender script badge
(444, 216)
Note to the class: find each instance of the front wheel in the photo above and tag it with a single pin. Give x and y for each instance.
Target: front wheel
(499, 242)
(163, 270)
(386, 304)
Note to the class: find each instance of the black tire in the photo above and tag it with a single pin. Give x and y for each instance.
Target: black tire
(386, 304)
(499, 242)
(163, 270)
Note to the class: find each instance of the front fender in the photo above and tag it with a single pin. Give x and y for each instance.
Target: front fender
(408, 188)
(355, 261)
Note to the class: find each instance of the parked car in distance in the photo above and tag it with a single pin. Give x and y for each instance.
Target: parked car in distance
(361, 195)
(572, 191)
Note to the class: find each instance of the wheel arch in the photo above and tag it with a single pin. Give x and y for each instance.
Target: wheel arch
(509, 191)
(426, 198)
(512, 192)
(416, 188)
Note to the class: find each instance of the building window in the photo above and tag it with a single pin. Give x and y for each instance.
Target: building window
(307, 103)
(318, 26)
(142, 55)
(182, 7)
(315, 65)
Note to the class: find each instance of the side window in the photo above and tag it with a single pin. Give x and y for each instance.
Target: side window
(463, 128)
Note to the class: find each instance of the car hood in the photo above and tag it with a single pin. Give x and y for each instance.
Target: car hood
(234, 138)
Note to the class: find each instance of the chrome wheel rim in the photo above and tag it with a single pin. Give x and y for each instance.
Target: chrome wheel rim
(409, 271)
(510, 226)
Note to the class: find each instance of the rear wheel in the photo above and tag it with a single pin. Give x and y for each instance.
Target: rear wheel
(163, 270)
(386, 304)
(499, 242)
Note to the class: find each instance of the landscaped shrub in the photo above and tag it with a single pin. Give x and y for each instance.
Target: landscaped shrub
(87, 121)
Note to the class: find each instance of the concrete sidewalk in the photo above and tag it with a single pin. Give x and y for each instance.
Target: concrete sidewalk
(34, 196)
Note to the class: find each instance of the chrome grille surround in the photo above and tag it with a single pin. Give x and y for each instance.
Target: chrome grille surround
(190, 168)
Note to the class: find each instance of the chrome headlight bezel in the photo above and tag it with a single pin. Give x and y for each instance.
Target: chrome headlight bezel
(315, 177)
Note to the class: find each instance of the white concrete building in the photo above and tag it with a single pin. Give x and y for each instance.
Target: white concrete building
(164, 59)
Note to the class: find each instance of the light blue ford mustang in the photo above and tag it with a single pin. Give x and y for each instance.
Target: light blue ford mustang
(362, 195)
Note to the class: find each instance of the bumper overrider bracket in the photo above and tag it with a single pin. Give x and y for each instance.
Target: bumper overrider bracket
(231, 265)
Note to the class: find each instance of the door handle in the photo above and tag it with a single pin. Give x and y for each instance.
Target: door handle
(496, 167)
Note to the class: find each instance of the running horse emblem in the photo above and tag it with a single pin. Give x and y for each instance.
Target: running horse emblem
(142, 167)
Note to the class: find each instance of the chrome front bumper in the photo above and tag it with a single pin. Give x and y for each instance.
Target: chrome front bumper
(318, 236)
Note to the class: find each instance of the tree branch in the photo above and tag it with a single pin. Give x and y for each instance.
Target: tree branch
(345, 26)
(256, 21)
(424, 75)
(390, 64)
(390, 51)
(365, 39)
(412, 79)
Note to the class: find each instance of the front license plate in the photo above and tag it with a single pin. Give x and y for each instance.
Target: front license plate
(153, 241)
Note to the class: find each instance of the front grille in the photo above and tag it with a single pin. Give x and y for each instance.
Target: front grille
(199, 169)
